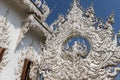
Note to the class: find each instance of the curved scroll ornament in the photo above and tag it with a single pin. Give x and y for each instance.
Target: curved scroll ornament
(104, 53)
(102, 60)
(57, 64)
(4, 40)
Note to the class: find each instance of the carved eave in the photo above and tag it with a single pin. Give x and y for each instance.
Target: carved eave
(44, 27)
(28, 6)
(32, 23)
(41, 28)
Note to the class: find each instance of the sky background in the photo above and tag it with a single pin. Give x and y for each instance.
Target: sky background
(103, 8)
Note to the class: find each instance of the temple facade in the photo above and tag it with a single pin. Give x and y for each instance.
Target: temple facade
(22, 29)
(32, 50)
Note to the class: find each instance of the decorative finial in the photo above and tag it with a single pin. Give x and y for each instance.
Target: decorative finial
(90, 13)
(75, 3)
(110, 21)
(111, 18)
(38, 3)
(45, 9)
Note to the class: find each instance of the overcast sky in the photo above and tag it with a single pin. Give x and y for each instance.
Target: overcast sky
(103, 8)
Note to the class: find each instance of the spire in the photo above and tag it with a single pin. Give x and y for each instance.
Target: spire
(75, 3)
(90, 13)
(111, 18)
(91, 9)
(110, 21)
(75, 12)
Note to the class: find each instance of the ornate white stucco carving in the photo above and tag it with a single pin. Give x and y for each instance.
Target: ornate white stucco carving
(38, 3)
(29, 54)
(45, 10)
(33, 6)
(31, 21)
(102, 59)
(4, 40)
(100, 63)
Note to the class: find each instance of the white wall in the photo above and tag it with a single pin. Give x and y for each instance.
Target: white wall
(15, 17)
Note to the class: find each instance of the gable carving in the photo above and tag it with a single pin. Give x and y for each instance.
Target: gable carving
(102, 59)
(56, 63)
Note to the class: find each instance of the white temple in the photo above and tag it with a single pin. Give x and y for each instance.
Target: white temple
(32, 50)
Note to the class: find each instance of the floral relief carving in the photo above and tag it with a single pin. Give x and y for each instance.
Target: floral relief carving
(4, 40)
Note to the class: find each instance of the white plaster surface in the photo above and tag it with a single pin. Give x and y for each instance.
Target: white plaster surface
(15, 17)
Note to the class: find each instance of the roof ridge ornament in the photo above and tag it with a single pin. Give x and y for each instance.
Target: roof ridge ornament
(110, 21)
(75, 3)
(90, 13)
(75, 13)
(45, 9)
(38, 3)
(111, 18)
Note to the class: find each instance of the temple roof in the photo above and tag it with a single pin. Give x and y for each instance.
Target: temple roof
(32, 7)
